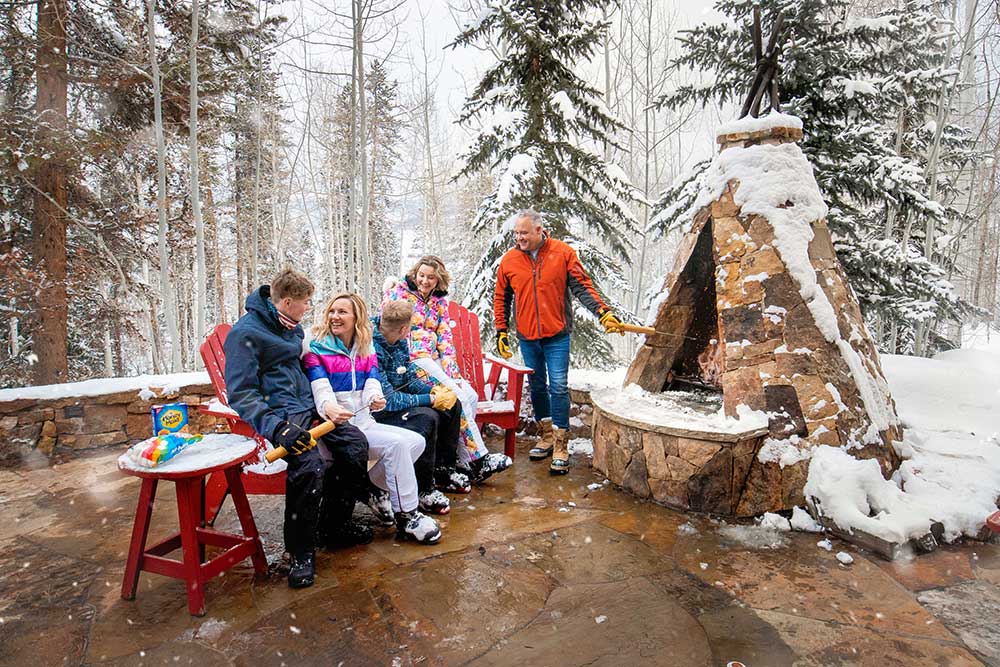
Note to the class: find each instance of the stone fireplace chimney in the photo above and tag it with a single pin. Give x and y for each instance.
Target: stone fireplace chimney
(758, 307)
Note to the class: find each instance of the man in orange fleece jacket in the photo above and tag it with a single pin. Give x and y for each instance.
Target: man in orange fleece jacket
(538, 277)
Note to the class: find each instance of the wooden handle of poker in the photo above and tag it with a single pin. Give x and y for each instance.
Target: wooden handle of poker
(635, 328)
(314, 432)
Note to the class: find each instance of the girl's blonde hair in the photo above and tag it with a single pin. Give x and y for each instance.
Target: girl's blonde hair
(435, 262)
(362, 325)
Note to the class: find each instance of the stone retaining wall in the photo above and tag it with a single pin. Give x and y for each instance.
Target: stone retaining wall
(38, 430)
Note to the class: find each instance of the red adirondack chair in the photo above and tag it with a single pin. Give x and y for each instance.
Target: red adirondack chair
(465, 330)
(260, 477)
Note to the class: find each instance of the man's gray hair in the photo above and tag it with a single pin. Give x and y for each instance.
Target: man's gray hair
(530, 214)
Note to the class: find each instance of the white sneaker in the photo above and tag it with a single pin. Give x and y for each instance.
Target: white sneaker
(435, 502)
(381, 507)
(417, 526)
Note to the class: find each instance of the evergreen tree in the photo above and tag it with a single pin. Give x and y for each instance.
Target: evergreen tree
(541, 129)
(866, 91)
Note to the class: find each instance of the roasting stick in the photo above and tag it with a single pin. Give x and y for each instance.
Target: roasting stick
(650, 331)
(315, 432)
(322, 429)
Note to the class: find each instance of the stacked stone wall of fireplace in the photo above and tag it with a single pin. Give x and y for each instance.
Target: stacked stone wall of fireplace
(733, 317)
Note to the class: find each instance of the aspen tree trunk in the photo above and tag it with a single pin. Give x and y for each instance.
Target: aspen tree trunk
(200, 277)
(258, 125)
(364, 247)
(161, 197)
(432, 208)
(218, 287)
(48, 227)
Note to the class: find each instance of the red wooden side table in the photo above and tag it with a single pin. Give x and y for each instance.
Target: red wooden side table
(188, 470)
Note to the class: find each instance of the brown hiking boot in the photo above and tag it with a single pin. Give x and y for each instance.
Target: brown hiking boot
(560, 452)
(544, 447)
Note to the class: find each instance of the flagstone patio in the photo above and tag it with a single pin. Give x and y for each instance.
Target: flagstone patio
(521, 576)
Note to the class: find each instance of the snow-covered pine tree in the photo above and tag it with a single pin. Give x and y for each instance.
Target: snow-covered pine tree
(541, 129)
(866, 90)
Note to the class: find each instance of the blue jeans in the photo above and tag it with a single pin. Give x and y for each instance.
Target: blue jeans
(549, 358)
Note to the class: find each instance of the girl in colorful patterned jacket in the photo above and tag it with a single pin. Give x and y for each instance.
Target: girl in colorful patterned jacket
(342, 368)
(432, 349)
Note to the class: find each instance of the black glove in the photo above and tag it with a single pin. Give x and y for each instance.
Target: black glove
(293, 438)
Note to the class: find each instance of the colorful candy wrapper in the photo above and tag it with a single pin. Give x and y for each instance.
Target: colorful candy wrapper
(157, 450)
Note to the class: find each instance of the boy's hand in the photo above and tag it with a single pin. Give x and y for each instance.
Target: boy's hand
(377, 403)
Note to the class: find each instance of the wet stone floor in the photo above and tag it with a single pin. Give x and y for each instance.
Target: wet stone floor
(532, 570)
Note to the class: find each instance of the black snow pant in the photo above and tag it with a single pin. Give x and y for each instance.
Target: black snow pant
(440, 430)
(323, 484)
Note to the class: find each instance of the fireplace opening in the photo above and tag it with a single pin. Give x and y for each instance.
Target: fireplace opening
(700, 361)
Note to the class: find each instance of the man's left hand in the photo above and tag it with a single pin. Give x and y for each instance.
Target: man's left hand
(611, 323)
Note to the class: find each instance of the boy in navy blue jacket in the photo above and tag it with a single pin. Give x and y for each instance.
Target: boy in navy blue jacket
(268, 388)
(410, 403)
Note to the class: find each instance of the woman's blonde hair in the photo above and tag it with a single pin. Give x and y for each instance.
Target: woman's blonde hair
(362, 325)
(444, 278)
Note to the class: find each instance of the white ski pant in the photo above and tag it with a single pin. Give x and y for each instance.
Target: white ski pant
(469, 398)
(394, 449)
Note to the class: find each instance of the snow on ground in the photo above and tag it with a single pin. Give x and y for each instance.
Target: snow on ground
(950, 409)
(169, 384)
(587, 379)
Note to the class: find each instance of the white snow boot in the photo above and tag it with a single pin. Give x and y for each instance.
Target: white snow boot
(488, 465)
(435, 502)
(416, 525)
(381, 507)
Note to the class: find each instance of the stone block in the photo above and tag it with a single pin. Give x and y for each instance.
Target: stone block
(760, 230)
(801, 332)
(728, 289)
(70, 426)
(680, 470)
(782, 403)
(762, 260)
(37, 415)
(17, 405)
(823, 432)
(790, 363)
(762, 490)
(7, 424)
(669, 492)
(731, 241)
(742, 386)
(781, 291)
(710, 490)
(656, 447)
(793, 479)
(103, 418)
(138, 427)
(821, 246)
(758, 351)
(72, 411)
(697, 452)
(636, 477)
(742, 323)
(724, 207)
(26, 435)
(47, 440)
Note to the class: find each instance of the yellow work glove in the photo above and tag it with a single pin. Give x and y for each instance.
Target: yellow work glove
(442, 397)
(611, 323)
(503, 345)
